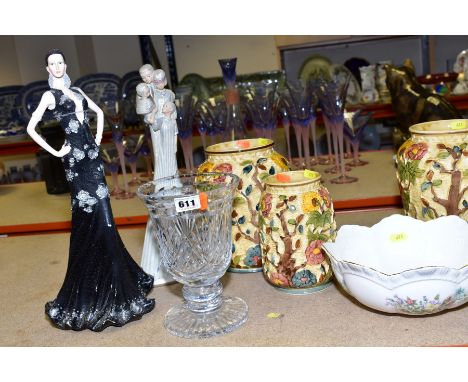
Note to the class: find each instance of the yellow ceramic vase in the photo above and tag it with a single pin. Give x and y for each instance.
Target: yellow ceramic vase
(296, 216)
(433, 170)
(252, 160)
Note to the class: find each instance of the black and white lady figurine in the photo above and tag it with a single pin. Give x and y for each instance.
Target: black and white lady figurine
(103, 285)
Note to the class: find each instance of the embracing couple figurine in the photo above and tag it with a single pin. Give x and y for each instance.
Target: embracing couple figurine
(157, 105)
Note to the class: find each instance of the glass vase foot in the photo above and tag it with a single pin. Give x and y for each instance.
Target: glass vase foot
(344, 179)
(125, 195)
(357, 163)
(182, 322)
(116, 192)
(135, 182)
(314, 161)
(325, 160)
(333, 170)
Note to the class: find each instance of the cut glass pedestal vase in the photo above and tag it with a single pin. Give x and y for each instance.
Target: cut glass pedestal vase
(332, 96)
(261, 101)
(355, 124)
(185, 105)
(193, 226)
(235, 127)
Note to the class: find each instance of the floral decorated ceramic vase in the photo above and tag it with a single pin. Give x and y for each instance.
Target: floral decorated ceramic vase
(252, 160)
(296, 217)
(432, 170)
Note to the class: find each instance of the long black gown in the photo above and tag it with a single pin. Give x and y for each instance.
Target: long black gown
(103, 285)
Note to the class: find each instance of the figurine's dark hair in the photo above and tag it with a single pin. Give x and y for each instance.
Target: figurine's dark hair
(54, 51)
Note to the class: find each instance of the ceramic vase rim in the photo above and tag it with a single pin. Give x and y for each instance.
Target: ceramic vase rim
(418, 129)
(216, 148)
(300, 182)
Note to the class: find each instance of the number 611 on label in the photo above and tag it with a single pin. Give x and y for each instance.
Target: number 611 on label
(193, 202)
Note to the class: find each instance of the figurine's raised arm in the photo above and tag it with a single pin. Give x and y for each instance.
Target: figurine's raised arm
(100, 117)
(47, 101)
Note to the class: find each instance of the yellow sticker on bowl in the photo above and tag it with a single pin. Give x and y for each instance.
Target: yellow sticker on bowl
(310, 174)
(459, 125)
(397, 237)
(263, 141)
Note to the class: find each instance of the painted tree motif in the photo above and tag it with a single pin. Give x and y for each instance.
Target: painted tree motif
(315, 220)
(256, 171)
(456, 202)
(410, 156)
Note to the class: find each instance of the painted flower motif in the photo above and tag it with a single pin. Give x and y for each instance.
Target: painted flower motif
(254, 256)
(265, 204)
(92, 154)
(404, 146)
(280, 161)
(310, 201)
(222, 167)
(279, 280)
(325, 196)
(102, 191)
(86, 201)
(304, 278)
(73, 125)
(314, 253)
(69, 174)
(417, 151)
(78, 154)
(206, 167)
(410, 301)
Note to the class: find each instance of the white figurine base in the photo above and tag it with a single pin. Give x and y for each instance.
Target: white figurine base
(151, 258)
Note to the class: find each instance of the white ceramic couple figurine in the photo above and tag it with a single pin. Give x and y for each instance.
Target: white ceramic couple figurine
(157, 105)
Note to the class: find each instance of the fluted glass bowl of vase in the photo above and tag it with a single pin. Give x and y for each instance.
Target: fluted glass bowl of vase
(192, 223)
(403, 265)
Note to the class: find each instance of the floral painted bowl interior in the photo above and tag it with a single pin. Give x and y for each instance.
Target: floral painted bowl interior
(404, 265)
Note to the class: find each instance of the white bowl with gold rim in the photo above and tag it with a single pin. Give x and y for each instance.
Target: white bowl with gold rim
(403, 265)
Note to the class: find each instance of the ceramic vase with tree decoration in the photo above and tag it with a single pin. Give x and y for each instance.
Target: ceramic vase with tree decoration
(296, 217)
(252, 160)
(432, 170)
